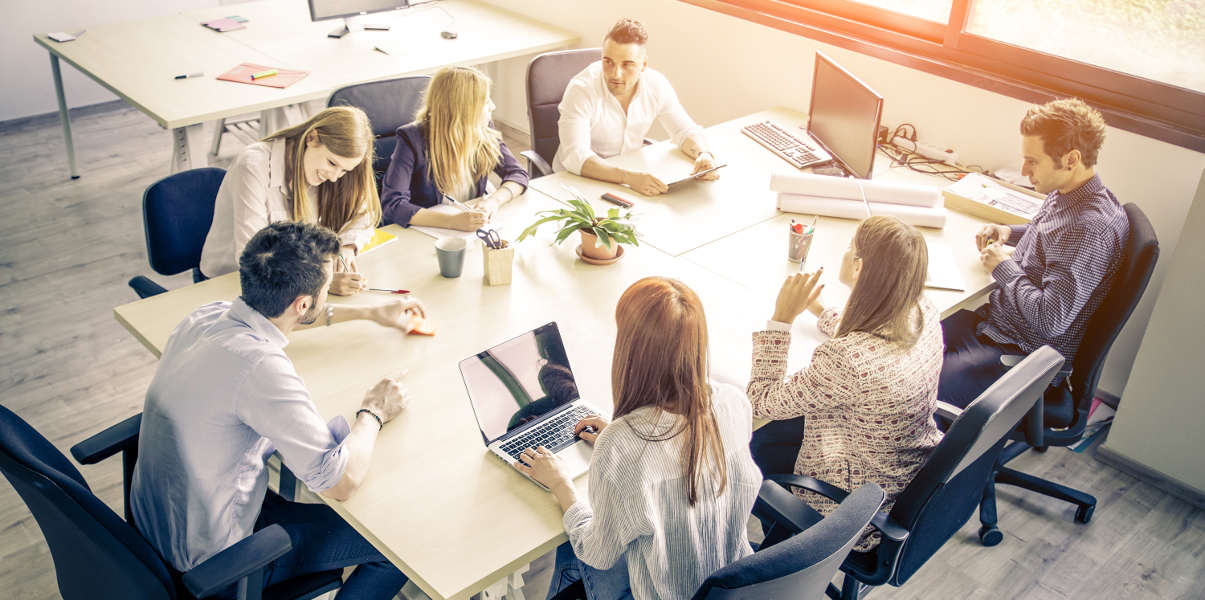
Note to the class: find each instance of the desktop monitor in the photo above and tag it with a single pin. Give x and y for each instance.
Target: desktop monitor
(844, 116)
(337, 9)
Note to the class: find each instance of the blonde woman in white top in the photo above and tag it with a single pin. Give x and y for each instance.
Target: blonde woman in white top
(319, 171)
(672, 482)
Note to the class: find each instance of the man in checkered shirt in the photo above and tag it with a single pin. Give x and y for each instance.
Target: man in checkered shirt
(1063, 264)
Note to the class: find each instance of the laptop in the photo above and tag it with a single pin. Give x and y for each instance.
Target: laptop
(524, 396)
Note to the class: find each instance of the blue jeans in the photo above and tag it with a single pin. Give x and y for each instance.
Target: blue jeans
(611, 584)
(323, 541)
(971, 362)
(775, 446)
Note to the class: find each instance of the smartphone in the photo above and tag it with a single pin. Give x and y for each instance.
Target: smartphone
(613, 199)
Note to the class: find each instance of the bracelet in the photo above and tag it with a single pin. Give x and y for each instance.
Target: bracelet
(380, 423)
(330, 314)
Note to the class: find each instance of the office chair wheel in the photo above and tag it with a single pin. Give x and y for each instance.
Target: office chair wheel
(990, 536)
(1040, 449)
(1083, 514)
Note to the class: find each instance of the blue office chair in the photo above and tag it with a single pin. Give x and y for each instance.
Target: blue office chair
(389, 104)
(98, 556)
(176, 214)
(1064, 412)
(547, 76)
(943, 494)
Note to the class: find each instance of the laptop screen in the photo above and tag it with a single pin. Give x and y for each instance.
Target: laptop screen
(518, 381)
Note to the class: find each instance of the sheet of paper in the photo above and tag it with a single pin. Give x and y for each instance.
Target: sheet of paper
(734, 365)
(943, 271)
(440, 232)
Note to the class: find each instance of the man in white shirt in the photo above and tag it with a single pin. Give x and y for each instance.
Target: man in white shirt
(610, 106)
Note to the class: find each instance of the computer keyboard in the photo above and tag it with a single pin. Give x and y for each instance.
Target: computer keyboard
(554, 434)
(797, 150)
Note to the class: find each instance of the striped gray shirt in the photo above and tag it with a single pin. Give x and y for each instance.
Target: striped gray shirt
(637, 502)
(1063, 266)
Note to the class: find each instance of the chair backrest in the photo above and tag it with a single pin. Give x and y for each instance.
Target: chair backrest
(948, 487)
(802, 566)
(547, 76)
(1138, 263)
(96, 554)
(176, 214)
(389, 104)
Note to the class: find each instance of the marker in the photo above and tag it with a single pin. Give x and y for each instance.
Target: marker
(402, 292)
(812, 227)
(189, 75)
(263, 74)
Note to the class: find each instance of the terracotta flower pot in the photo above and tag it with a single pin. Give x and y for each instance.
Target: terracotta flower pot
(592, 248)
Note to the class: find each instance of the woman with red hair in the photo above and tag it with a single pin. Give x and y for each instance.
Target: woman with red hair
(672, 482)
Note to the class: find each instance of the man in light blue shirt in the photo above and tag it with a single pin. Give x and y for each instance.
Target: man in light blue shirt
(225, 396)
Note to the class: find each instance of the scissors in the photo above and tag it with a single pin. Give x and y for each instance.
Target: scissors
(490, 237)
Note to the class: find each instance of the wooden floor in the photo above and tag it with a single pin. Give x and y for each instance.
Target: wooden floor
(67, 249)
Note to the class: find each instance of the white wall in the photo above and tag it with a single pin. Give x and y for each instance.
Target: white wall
(1159, 424)
(724, 67)
(25, 66)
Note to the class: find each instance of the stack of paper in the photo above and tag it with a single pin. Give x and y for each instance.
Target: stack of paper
(848, 198)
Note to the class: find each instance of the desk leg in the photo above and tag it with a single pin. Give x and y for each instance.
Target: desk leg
(57, 74)
(508, 588)
(188, 148)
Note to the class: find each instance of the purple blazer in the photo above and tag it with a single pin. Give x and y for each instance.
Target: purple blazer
(407, 185)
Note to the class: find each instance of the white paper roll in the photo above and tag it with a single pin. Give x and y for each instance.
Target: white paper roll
(807, 184)
(919, 216)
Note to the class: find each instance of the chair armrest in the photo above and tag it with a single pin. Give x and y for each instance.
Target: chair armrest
(948, 411)
(539, 166)
(775, 503)
(117, 438)
(890, 529)
(811, 484)
(238, 561)
(145, 288)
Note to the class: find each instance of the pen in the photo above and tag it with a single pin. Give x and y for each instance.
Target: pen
(263, 74)
(457, 203)
(189, 75)
(403, 292)
(812, 227)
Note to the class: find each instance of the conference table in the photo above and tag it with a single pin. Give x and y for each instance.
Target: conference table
(437, 503)
(138, 60)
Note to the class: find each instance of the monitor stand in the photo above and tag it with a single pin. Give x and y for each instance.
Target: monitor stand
(356, 23)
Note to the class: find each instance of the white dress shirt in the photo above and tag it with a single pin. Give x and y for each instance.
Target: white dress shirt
(593, 122)
(253, 195)
(225, 395)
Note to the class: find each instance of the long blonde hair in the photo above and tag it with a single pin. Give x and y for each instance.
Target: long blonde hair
(885, 300)
(462, 146)
(345, 131)
(660, 360)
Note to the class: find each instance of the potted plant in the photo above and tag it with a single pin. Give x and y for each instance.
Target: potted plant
(600, 235)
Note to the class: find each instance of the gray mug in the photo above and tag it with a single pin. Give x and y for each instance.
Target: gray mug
(450, 252)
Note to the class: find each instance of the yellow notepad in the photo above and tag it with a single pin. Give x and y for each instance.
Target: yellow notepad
(380, 237)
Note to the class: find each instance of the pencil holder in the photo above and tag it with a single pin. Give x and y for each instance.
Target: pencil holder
(498, 263)
(798, 246)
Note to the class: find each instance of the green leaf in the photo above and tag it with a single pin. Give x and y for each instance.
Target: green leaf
(565, 233)
(603, 236)
(613, 214)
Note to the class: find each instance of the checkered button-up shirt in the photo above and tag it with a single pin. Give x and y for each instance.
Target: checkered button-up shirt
(1064, 264)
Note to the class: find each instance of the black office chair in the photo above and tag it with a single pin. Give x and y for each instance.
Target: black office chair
(798, 567)
(98, 556)
(1065, 405)
(176, 214)
(547, 76)
(389, 104)
(946, 490)
(803, 565)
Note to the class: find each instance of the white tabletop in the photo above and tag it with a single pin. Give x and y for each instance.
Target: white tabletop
(137, 60)
(451, 516)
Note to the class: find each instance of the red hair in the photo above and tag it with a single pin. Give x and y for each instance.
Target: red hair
(661, 361)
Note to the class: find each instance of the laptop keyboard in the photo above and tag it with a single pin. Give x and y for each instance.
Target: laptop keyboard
(555, 433)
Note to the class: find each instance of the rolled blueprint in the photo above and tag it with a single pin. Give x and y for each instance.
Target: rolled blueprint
(920, 216)
(883, 192)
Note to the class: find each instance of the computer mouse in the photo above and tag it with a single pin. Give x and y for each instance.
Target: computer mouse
(447, 34)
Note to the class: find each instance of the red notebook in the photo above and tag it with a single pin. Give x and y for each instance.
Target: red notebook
(282, 79)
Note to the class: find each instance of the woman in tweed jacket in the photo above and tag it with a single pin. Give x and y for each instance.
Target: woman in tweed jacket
(869, 394)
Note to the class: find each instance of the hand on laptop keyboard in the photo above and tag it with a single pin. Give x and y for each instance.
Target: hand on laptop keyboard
(545, 467)
(589, 427)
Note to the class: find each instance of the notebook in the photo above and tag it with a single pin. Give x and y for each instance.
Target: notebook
(282, 79)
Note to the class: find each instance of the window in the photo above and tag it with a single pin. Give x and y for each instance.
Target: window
(1138, 61)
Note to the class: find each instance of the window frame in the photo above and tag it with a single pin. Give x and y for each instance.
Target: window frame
(1151, 108)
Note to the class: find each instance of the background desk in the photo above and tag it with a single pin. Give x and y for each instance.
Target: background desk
(137, 60)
